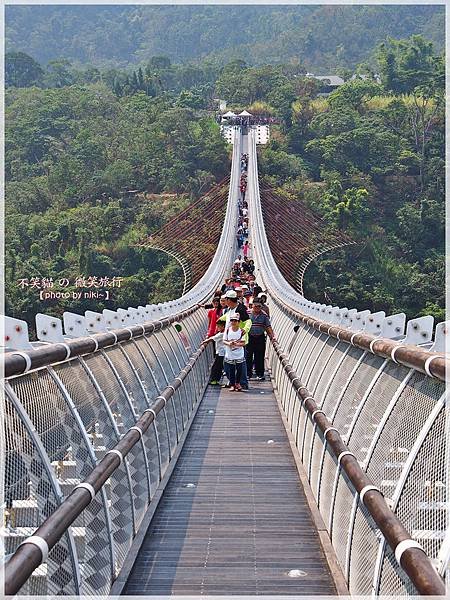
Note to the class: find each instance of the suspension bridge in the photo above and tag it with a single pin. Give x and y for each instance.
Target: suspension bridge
(125, 473)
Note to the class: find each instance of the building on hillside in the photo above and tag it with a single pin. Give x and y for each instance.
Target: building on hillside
(364, 77)
(262, 134)
(328, 83)
(226, 128)
(225, 118)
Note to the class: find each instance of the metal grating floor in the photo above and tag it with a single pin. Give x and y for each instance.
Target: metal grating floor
(246, 523)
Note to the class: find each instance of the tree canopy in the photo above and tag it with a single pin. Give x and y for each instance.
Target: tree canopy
(97, 158)
(325, 37)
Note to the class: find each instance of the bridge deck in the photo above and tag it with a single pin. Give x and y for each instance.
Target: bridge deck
(246, 523)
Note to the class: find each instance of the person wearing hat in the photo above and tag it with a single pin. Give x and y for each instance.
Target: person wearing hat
(233, 339)
(264, 306)
(232, 301)
(256, 347)
(223, 304)
(245, 323)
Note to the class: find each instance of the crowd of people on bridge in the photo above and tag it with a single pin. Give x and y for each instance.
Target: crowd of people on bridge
(243, 186)
(238, 316)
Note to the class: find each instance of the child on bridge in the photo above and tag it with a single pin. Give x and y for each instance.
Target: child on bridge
(233, 338)
(217, 368)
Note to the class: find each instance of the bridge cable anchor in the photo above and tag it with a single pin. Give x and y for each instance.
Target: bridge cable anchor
(150, 410)
(342, 454)
(428, 363)
(329, 429)
(351, 339)
(138, 429)
(314, 413)
(161, 398)
(372, 343)
(95, 342)
(27, 359)
(308, 398)
(67, 348)
(393, 351)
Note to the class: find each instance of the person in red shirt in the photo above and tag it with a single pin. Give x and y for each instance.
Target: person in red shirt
(213, 315)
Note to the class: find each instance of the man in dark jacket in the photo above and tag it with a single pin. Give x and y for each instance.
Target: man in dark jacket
(256, 347)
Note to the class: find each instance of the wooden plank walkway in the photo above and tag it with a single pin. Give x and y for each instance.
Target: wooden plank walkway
(246, 523)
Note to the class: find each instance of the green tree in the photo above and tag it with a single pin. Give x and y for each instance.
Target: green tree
(427, 102)
(352, 94)
(159, 62)
(345, 208)
(407, 63)
(21, 70)
(140, 77)
(60, 73)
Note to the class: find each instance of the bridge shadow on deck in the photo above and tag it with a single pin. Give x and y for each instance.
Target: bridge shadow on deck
(246, 523)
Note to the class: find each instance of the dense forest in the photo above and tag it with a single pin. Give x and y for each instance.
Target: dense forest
(96, 158)
(321, 37)
(370, 159)
(88, 175)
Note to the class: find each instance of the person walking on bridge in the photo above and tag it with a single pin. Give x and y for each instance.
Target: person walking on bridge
(264, 306)
(233, 339)
(231, 298)
(213, 316)
(234, 306)
(217, 368)
(256, 348)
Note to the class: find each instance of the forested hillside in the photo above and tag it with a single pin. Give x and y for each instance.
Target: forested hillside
(321, 38)
(370, 159)
(97, 158)
(72, 157)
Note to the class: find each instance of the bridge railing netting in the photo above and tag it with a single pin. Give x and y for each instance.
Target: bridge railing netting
(390, 416)
(393, 420)
(62, 419)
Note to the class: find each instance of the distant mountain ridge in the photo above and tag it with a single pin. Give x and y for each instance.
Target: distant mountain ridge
(321, 37)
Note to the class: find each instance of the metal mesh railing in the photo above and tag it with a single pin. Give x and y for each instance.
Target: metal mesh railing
(64, 422)
(371, 406)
